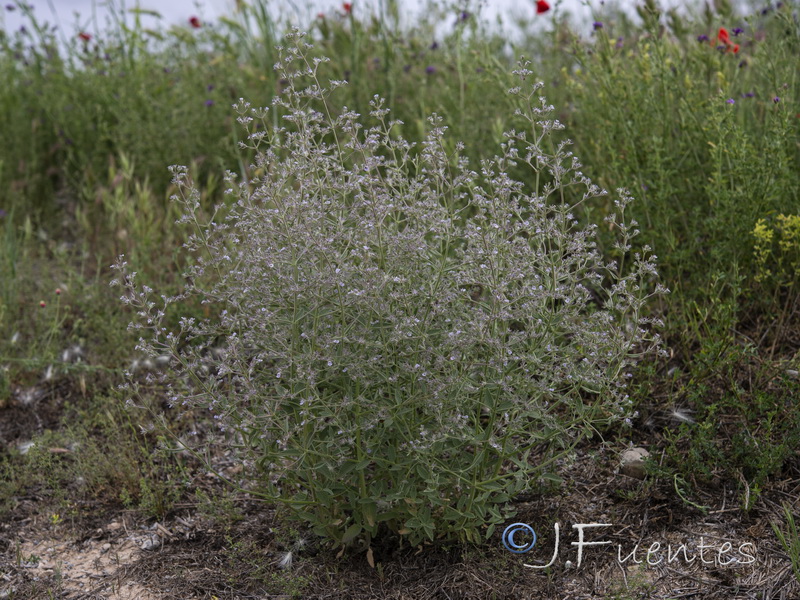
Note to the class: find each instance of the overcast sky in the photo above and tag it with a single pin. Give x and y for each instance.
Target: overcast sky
(62, 12)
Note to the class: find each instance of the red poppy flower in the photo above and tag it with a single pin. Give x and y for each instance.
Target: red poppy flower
(723, 41)
(542, 6)
(195, 22)
(84, 36)
(348, 7)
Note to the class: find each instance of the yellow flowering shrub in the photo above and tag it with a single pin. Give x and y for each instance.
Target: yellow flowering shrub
(777, 250)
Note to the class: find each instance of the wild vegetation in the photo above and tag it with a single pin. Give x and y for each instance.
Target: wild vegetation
(416, 168)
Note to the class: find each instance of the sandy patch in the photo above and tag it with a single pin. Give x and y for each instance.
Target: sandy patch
(95, 566)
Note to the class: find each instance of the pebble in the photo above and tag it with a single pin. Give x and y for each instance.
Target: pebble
(152, 543)
(633, 461)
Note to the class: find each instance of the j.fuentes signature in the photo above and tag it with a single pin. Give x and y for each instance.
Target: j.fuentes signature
(521, 538)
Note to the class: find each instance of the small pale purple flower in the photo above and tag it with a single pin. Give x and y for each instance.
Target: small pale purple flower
(597, 25)
(702, 38)
(620, 42)
(730, 101)
(430, 69)
(464, 16)
(776, 99)
(737, 30)
(749, 95)
(209, 102)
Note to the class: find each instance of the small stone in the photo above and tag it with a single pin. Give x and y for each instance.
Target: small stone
(152, 543)
(633, 461)
(106, 547)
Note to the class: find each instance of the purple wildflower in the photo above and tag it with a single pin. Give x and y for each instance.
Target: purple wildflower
(464, 16)
(776, 99)
(702, 38)
(597, 25)
(730, 101)
(737, 30)
(209, 102)
(430, 69)
(434, 45)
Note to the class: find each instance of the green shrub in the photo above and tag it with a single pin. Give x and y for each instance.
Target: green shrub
(397, 336)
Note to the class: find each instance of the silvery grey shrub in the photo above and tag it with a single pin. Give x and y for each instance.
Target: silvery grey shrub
(401, 344)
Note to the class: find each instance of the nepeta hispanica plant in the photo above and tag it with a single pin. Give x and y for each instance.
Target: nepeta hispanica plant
(403, 344)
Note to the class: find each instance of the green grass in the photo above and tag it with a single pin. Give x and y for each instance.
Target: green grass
(789, 539)
(89, 129)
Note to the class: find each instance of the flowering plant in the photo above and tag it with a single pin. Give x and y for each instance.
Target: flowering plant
(403, 344)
